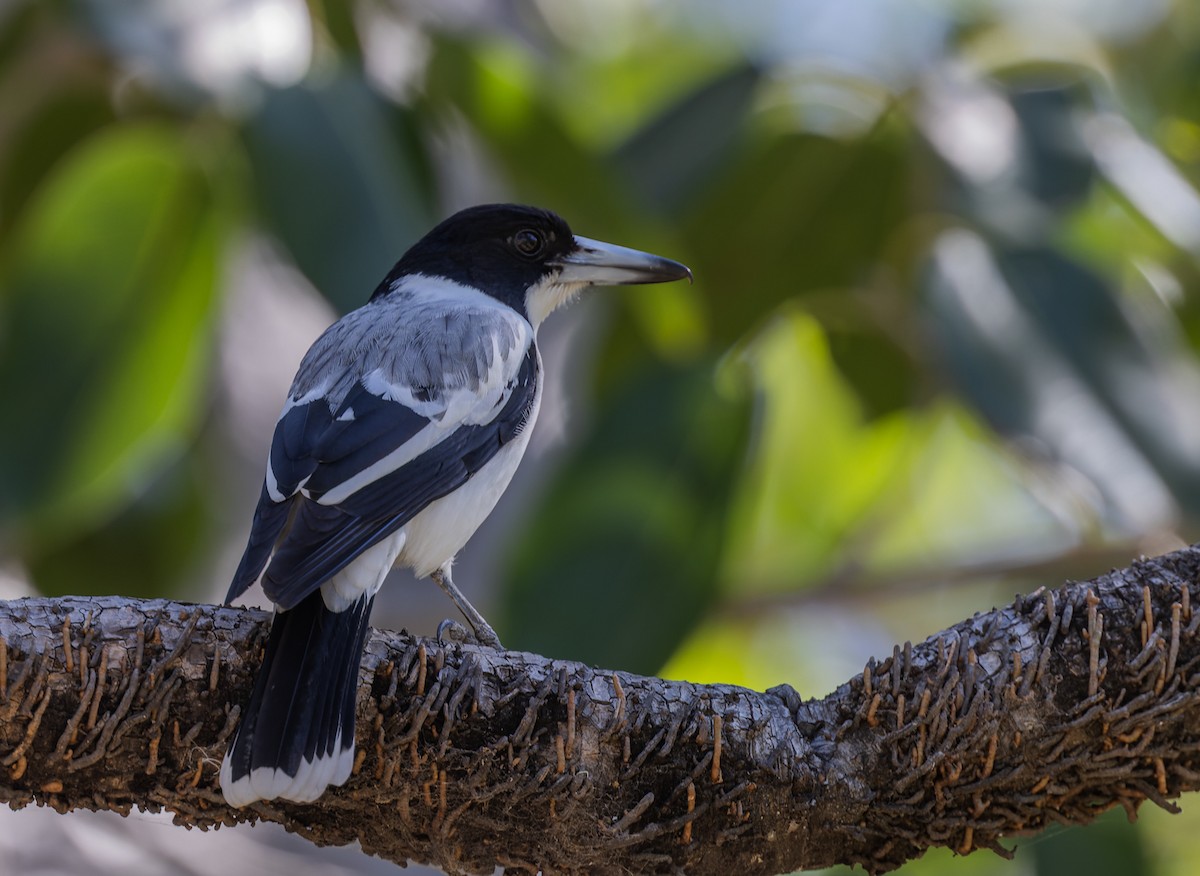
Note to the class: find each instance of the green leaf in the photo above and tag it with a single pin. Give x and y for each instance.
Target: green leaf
(338, 180)
(108, 289)
(673, 157)
(160, 534)
(796, 213)
(1045, 348)
(62, 119)
(1109, 847)
(495, 87)
(882, 373)
(826, 490)
(338, 21)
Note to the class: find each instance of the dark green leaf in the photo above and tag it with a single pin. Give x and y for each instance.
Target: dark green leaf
(1109, 847)
(796, 213)
(150, 547)
(674, 157)
(64, 119)
(336, 183)
(620, 559)
(882, 374)
(338, 19)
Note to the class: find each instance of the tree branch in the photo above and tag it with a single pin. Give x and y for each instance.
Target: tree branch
(1053, 709)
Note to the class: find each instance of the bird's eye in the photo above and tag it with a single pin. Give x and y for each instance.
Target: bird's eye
(529, 242)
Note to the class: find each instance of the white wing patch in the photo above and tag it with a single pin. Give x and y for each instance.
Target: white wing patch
(294, 401)
(405, 453)
(390, 390)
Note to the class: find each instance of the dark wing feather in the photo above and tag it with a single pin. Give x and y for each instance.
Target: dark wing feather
(297, 433)
(366, 428)
(270, 517)
(321, 540)
(315, 449)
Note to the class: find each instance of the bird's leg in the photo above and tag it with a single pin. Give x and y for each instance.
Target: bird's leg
(484, 633)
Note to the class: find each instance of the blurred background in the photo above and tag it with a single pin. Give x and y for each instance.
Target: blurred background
(942, 346)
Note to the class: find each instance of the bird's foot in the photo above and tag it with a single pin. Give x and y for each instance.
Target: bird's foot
(453, 631)
(485, 635)
(481, 630)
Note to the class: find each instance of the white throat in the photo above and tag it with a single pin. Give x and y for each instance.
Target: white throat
(547, 296)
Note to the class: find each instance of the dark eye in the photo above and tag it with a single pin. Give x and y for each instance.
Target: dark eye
(529, 242)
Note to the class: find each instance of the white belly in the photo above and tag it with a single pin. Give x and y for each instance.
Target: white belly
(439, 532)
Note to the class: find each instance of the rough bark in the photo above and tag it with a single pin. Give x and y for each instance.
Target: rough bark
(1053, 709)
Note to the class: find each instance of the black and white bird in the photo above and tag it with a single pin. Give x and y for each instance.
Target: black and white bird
(403, 425)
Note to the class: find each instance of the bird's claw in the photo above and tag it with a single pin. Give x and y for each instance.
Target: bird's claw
(451, 630)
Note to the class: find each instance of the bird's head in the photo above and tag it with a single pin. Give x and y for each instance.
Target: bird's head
(527, 258)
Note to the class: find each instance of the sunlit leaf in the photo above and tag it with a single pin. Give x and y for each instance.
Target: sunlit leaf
(814, 648)
(645, 77)
(828, 490)
(107, 294)
(815, 470)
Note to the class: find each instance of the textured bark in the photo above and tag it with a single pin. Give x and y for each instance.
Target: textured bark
(1053, 709)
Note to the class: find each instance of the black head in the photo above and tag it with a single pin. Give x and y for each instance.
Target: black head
(525, 257)
(501, 249)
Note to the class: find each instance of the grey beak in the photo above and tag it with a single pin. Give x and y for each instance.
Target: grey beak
(605, 264)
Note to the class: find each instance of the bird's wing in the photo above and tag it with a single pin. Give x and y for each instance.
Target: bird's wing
(385, 416)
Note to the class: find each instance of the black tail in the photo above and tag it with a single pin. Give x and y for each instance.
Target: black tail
(297, 732)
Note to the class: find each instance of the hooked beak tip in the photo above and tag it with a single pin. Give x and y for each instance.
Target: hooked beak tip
(605, 264)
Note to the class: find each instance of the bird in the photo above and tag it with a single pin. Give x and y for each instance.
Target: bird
(402, 428)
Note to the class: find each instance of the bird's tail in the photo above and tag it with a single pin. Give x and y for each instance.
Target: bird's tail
(296, 736)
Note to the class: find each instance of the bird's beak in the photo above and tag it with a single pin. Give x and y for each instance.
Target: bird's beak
(605, 264)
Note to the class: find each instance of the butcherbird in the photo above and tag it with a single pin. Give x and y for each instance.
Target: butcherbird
(403, 425)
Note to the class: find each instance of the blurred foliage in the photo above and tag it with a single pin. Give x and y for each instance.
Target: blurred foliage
(340, 177)
(943, 337)
(109, 285)
(1116, 848)
(636, 519)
